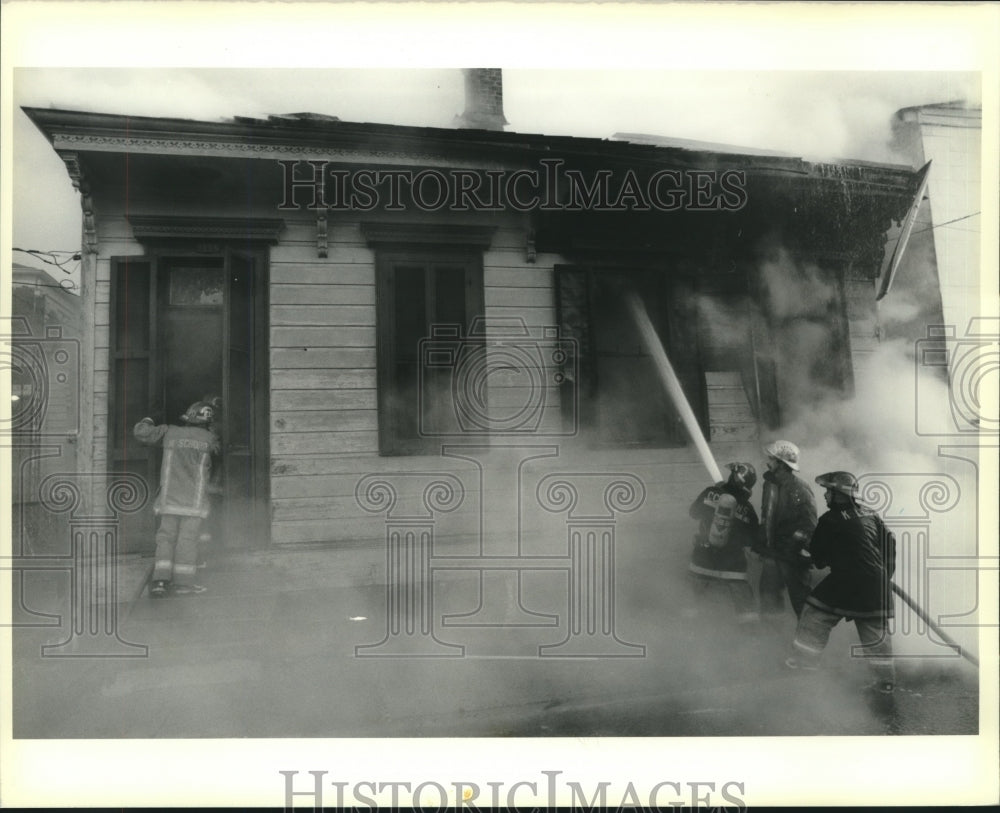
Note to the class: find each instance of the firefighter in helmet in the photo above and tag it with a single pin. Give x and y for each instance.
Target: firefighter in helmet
(727, 525)
(182, 500)
(860, 551)
(788, 517)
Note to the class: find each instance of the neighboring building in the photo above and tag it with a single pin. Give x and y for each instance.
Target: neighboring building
(43, 336)
(950, 136)
(338, 311)
(940, 283)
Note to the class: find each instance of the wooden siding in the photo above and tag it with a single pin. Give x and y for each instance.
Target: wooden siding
(323, 401)
(323, 421)
(314, 497)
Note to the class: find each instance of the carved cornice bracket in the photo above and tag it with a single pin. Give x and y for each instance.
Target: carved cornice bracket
(530, 252)
(80, 184)
(322, 247)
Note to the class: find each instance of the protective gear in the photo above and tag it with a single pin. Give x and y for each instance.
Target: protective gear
(727, 524)
(787, 523)
(188, 589)
(861, 554)
(742, 476)
(806, 664)
(199, 414)
(181, 500)
(214, 401)
(788, 516)
(785, 451)
(186, 467)
(840, 481)
(718, 531)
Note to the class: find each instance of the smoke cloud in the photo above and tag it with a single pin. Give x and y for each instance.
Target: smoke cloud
(889, 429)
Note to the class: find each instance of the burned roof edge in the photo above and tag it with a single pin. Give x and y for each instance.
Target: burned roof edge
(100, 131)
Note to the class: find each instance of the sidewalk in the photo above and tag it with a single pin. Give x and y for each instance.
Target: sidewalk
(271, 650)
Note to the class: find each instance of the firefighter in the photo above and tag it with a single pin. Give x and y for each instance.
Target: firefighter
(860, 551)
(182, 501)
(727, 525)
(788, 517)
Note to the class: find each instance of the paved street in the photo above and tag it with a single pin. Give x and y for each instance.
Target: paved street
(269, 651)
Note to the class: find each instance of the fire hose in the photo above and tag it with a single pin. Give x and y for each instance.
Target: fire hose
(671, 382)
(674, 390)
(937, 629)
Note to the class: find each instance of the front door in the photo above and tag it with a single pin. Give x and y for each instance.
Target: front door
(203, 335)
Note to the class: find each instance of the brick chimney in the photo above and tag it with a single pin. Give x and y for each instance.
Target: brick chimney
(483, 100)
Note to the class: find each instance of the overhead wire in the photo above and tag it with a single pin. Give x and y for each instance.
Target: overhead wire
(947, 222)
(51, 258)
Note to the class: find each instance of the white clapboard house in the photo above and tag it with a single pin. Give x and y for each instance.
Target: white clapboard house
(404, 302)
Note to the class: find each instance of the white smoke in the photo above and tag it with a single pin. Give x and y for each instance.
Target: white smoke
(875, 430)
(887, 430)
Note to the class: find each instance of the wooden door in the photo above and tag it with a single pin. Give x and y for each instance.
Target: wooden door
(187, 327)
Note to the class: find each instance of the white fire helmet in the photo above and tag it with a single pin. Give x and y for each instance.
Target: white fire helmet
(785, 451)
(198, 414)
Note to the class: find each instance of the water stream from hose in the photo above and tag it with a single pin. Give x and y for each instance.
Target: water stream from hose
(670, 381)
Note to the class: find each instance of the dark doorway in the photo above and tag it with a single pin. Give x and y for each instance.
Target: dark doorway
(187, 326)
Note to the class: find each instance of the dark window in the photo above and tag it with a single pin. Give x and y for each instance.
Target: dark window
(194, 284)
(622, 401)
(427, 299)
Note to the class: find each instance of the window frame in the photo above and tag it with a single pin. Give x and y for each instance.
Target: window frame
(397, 245)
(676, 326)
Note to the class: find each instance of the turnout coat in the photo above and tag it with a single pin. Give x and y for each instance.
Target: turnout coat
(724, 558)
(788, 518)
(861, 554)
(186, 467)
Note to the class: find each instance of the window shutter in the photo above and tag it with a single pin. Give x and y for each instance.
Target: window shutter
(131, 338)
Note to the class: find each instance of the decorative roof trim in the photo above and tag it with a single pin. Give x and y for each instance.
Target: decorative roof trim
(354, 142)
(274, 150)
(79, 180)
(159, 227)
(377, 234)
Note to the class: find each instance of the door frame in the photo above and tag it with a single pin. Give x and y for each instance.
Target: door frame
(157, 252)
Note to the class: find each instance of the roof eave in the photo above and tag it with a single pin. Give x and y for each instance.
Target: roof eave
(70, 130)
